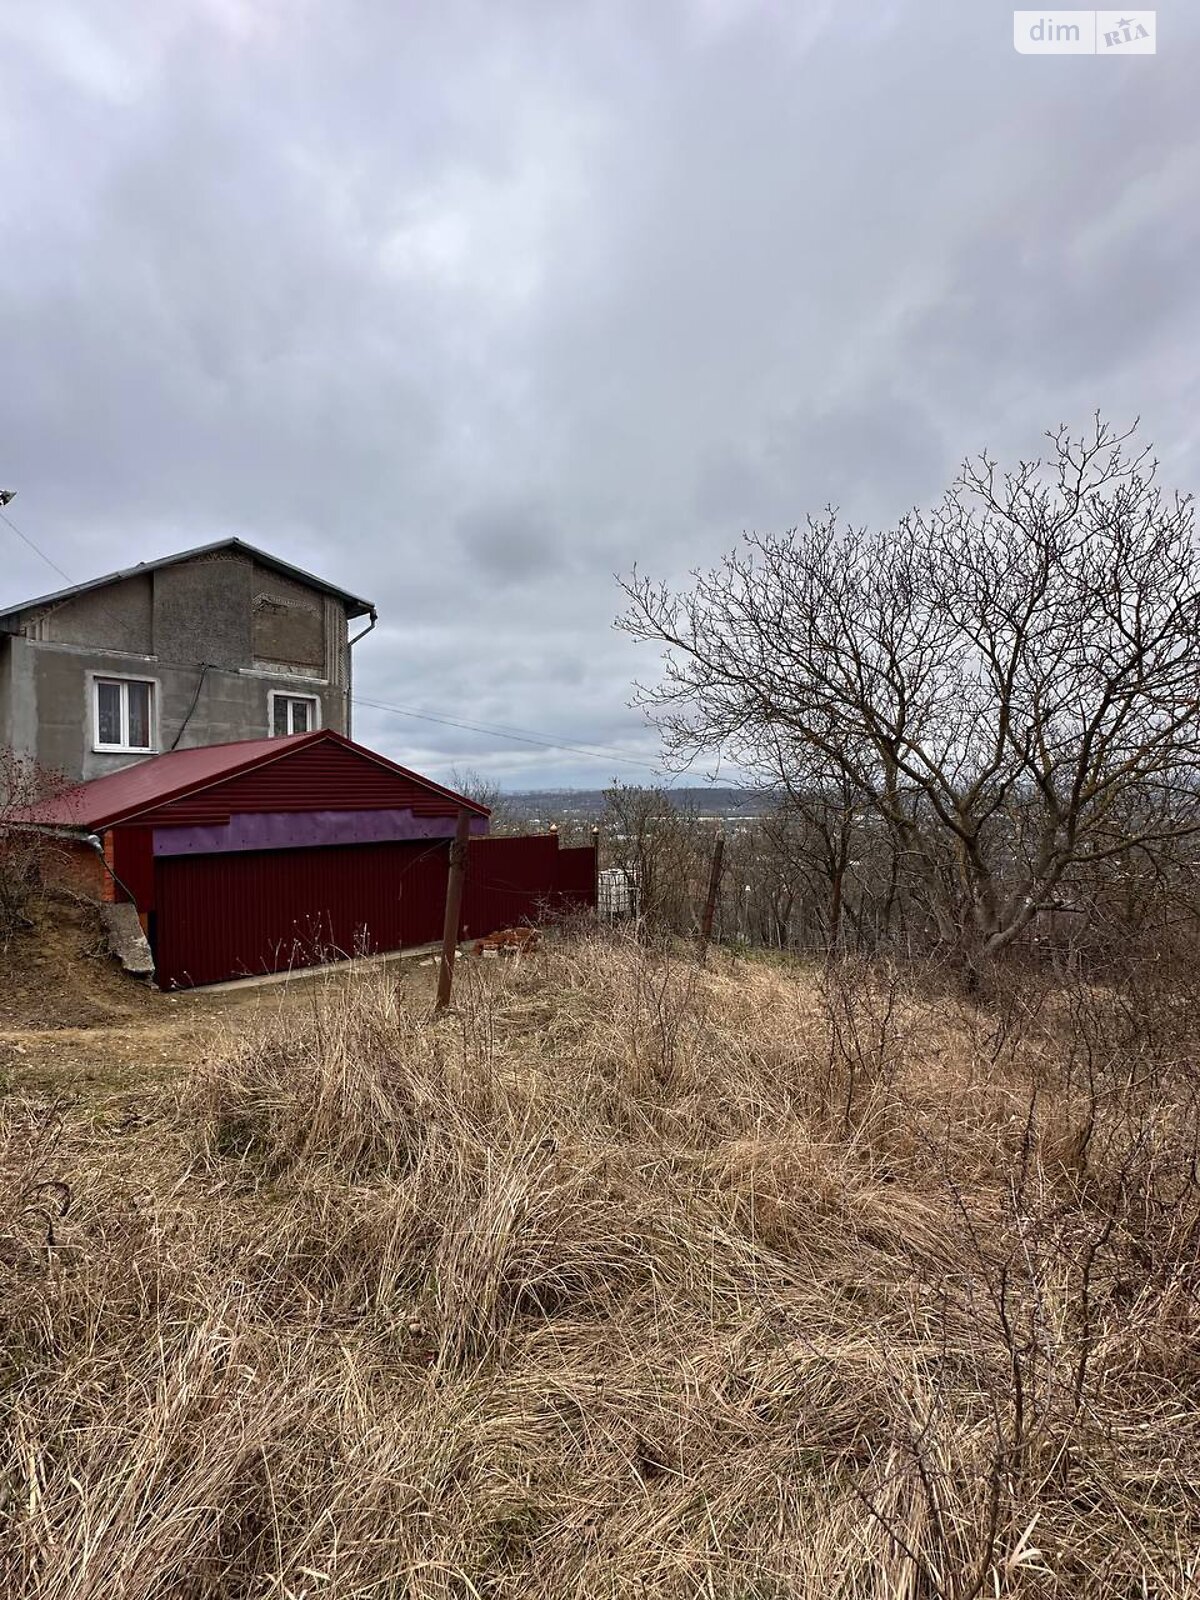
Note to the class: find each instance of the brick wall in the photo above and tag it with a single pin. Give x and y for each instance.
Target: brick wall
(74, 866)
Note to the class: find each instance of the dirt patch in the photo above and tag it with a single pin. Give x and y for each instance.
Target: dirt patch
(69, 1015)
(58, 973)
(73, 1023)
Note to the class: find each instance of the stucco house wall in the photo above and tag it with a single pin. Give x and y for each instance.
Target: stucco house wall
(214, 633)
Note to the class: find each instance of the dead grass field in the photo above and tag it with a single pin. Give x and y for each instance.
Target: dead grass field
(622, 1279)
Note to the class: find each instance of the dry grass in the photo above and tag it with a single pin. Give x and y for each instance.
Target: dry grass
(622, 1279)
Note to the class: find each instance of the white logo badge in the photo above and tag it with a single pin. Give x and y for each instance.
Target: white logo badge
(1084, 33)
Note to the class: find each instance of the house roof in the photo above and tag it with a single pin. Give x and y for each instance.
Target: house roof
(149, 785)
(355, 606)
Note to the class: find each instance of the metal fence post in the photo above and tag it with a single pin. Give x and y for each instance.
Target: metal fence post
(710, 904)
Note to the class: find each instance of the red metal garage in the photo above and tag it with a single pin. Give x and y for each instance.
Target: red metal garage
(218, 916)
(270, 854)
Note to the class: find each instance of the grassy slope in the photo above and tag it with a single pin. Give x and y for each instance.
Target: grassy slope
(623, 1279)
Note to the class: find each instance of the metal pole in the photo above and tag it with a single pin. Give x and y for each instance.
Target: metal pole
(710, 904)
(596, 868)
(454, 890)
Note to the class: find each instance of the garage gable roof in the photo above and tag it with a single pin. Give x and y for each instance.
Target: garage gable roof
(302, 772)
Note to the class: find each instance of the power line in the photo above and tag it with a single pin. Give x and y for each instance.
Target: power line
(521, 736)
(37, 552)
(499, 731)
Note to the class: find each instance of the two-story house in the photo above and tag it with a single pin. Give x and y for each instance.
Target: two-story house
(215, 644)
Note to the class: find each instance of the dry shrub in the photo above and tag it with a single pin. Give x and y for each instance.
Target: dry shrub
(28, 858)
(622, 1278)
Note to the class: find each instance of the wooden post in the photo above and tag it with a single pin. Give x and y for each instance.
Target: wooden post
(454, 889)
(710, 904)
(596, 868)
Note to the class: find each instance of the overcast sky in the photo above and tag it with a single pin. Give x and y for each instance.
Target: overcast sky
(468, 306)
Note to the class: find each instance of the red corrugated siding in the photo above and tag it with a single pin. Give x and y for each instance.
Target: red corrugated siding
(133, 863)
(513, 881)
(224, 916)
(323, 777)
(576, 875)
(505, 879)
(163, 781)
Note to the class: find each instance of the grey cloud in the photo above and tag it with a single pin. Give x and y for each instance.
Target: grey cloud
(472, 306)
(512, 543)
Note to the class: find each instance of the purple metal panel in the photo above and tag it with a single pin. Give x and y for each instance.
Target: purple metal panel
(292, 830)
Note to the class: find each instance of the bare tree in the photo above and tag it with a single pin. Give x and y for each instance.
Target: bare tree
(663, 852)
(815, 829)
(27, 854)
(505, 817)
(1009, 684)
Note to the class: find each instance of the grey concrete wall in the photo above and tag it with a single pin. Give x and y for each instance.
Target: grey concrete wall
(18, 696)
(202, 611)
(120, 616)
(215, 635)
(5, 691)
(230, 705)
(288, 622)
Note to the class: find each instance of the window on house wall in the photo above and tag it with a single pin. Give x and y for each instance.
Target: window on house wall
(123, 713)
(293, 713)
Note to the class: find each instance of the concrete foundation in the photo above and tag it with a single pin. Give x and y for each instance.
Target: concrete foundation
(126, 939)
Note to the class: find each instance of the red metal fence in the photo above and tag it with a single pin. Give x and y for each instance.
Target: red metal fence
(523, 880)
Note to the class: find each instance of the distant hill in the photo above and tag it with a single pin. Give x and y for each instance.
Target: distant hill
(705, 802)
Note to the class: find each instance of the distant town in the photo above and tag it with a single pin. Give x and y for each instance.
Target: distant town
(567, 806)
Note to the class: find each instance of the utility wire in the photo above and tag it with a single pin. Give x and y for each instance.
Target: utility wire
(520, 736)
(525, 736)
(36, 550)
(204, 669)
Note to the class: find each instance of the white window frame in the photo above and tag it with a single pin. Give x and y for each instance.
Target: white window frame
(95, 679)
(313, 702)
